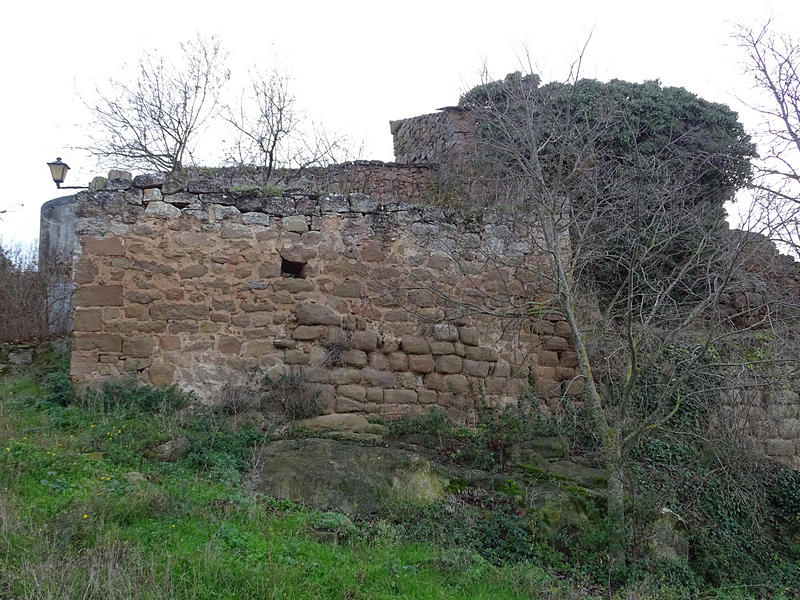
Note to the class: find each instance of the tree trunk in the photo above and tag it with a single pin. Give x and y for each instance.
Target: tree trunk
(612, 450)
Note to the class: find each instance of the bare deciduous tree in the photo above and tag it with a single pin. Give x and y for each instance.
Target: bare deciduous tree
(623, 185)
(154, 121)
(269, 131)
(773, 60)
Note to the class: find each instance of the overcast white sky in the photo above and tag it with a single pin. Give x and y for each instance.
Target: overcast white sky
(355, 65)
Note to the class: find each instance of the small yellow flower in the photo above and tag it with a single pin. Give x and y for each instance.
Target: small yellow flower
(8, 449)
(91, 426)
(173, 525)
(85, 516)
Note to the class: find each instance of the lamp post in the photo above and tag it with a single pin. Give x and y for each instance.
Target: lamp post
(58, 170)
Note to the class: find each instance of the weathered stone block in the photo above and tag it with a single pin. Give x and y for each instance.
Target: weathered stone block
(107, 246)
(547, 358)
(364, 340)
(137, 311)
(294, 285)
(375, 395)
(400, 396)
(162, 210)
(348, 405)
(87, 320)
(356, 392)
(421, 363)
(555, 342)
(458, 384)
(448, 363)
(398, 361)
(149, 180)
(295, 357)
(179, 312)
(169, 342)
(162, 374)
(415, 345)
(236, 231)
(468, 336)
(349, 288)
(193, 271)
(84, 362)
(268, 271)
(255, 218)
(374, 377)
(105, 342)
(308, 332)
(98, 295)
(297, 253)
(476, 368)
(389, 344)
(427, 396)
(445, 332)
(355, 358)
(480, 353)
(229, 345)
(138, 347)
(295, 224)
(442, 348)
(341, 376)
(309, 313)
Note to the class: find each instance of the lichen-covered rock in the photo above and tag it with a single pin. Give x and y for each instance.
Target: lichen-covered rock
(162, 210)
(347, 477)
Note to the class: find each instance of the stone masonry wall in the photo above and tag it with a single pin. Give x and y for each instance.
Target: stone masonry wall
(193, 283)
(440, 138)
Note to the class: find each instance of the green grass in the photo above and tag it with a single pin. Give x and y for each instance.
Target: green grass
(86, 513)
(74, 525)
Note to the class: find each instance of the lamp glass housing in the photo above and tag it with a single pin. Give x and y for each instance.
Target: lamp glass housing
(58, 170)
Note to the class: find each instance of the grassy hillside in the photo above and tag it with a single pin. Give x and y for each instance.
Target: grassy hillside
(88, 509)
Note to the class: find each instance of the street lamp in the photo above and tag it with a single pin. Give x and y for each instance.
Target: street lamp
(58, 170)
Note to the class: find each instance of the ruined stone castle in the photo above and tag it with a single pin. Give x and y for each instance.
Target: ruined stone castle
(356, 277)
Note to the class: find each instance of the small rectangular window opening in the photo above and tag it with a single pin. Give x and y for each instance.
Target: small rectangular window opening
(293, 269)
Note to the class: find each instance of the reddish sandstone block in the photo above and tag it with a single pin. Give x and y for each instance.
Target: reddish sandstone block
(162, 374)
(98, 295)
(228, 345)
(108, 246)
(105, 342)
(87, 320)
(138, 347)
(84, 363)
(169, 342)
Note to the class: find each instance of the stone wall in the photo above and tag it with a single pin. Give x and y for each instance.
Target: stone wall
(375, 299)
(441, 138)
(351, 278)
